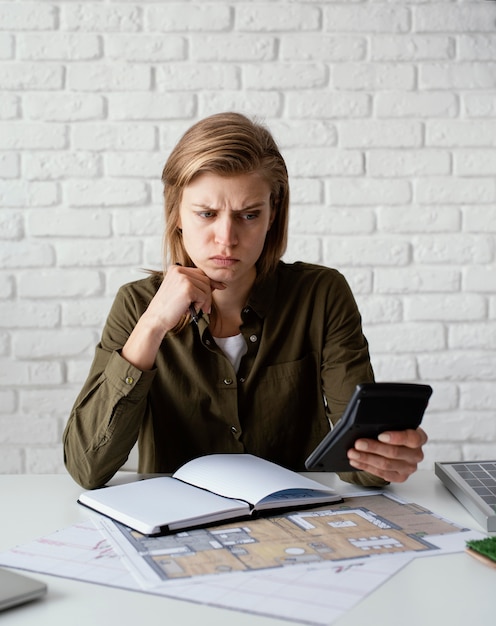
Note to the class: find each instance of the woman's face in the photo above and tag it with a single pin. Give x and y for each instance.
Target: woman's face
(224, 222)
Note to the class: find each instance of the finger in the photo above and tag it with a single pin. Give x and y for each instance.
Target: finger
(408, 438)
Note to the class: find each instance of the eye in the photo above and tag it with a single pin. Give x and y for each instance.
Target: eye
(250, 216)
(206, 214)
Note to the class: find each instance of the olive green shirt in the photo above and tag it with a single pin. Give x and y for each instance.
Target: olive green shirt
(305, 354)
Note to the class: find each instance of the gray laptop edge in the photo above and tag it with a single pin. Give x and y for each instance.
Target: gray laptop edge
(16, 589)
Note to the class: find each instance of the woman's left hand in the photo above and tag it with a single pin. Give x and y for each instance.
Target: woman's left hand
(394, 456)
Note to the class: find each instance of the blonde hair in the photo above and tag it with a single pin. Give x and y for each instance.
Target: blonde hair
(226, 144)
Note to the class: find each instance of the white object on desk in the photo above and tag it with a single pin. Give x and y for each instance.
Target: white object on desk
(454, 588)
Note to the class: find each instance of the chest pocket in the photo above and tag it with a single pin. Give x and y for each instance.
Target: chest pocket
(285, 410)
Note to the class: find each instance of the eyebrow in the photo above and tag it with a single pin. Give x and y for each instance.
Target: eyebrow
(250, 207)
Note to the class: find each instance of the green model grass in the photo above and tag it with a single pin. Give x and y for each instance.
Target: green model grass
(486, 547)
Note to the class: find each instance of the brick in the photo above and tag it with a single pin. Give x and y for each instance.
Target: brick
(308, 47)
(194, 76)
(61, 165)
(416, 280)
(106, 192)
(32, 136)
(322, 105)
(47, 344)
(368, 192)
(450, 190)
(108, 77)
(459, 75)
(380, 309)
(359, 279)
(86, 312)
(45, 460)
(11, 225)
(67, 223)
(411, 48)
(462, 426)
(4, 344)
(265, 104)
(363, 251)
(380, 133)
(407, 337)
(28, 16)
(27, 76)
(306, 191)
(323, 162)
(391, 367)
(377, 18)
(232, 47)
(266, 17)
(288, 76)
(144, 47)
(8, 401)
(477, 219)
(479, 104)
(472, 17)
(27, 429)
(153, 252)
(9, 165)
(7, 49)
(139, 223)
(103, 137)
(56, 46)
(474, 162)
(426, 104)
(335, 220)
(457, 134)
(18, 193)
(9, 106)
(141, 165)
(25, 373)
(11, 460)
(478, 336)
(451, 307)
(476, 47)
(408, 163)
(17, 254)
(6, 286)
(455, 249)
(118, 276)
(77, 372)
(374, 77)
(63, 107)
(304, 247)
(417, 219)
(151, 106)
(445, 397)
(300, 134)
(454, 365)
(91, 253)
(101, 18)
(29, 314)
(188, 17)
(479, 278)
(60, 283)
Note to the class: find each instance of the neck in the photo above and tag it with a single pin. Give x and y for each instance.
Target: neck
(228, 305)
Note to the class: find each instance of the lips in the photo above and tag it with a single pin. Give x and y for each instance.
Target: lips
(224, 261)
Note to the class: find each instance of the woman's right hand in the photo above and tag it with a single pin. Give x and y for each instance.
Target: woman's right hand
(181, 287)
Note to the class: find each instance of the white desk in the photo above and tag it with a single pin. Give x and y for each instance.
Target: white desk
(449, 589)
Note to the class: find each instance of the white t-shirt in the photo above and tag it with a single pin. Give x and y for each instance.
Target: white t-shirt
(233, 347)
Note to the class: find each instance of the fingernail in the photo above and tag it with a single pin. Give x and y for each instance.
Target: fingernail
(384, 437)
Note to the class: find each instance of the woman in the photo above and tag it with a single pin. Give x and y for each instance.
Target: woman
(229, 349)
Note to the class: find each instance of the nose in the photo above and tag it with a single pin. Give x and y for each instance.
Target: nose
(225, 231)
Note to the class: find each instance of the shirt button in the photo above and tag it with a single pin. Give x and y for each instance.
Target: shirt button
(228, 381)
(242, 380)
(208, 342)
(247, 310)
(234, 430)
(129, 380)
(253, 338)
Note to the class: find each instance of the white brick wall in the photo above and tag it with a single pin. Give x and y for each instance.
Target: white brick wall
(386, 114)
